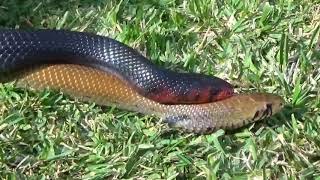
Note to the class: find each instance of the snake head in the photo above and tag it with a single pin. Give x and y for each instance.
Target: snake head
(266, 106)
(231, 113)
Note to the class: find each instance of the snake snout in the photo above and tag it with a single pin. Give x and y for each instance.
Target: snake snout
(269, 105)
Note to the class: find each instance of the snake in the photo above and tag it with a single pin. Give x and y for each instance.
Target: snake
(102, 70)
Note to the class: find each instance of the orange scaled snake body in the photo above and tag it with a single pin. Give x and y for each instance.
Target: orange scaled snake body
(102, 70)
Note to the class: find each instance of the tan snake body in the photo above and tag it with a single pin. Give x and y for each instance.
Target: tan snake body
(104, 88)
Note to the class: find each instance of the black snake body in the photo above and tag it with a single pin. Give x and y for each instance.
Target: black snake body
(20, 49)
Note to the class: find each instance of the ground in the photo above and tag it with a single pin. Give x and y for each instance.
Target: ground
(258, 46)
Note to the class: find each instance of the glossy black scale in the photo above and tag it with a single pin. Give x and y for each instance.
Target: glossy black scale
(20, 49)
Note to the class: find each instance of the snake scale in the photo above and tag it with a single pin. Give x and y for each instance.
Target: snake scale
(102, 70)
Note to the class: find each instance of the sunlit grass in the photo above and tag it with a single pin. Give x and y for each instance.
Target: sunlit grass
(256, 45)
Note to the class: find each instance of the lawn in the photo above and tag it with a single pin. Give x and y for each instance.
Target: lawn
(258, 46)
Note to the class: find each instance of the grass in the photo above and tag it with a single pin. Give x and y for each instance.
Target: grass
(257, 45)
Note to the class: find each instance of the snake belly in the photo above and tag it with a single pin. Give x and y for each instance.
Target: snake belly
(20, 49)
(105, 88)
